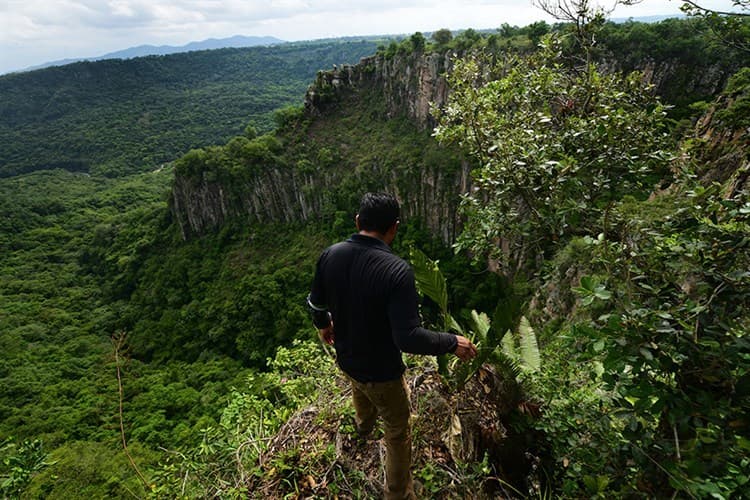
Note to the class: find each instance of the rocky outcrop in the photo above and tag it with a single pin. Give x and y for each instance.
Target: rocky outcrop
(723, 144)
(284, 195)
(278, 195)
(671, 78)
(408, 85)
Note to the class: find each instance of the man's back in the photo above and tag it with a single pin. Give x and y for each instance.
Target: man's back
(360, 280)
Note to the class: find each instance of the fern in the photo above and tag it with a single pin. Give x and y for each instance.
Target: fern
(529, 349)
(495, 339)
(429, 278)
(522, 346)
(509, 345)
(431, 283)
(480, 325)
(506, 365)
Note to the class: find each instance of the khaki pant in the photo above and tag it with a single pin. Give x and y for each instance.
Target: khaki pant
(390, 400)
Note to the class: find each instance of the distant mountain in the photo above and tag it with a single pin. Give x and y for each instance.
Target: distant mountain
(648, 19)
(237, 41)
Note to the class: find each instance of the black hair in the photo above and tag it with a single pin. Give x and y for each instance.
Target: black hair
(378, 212)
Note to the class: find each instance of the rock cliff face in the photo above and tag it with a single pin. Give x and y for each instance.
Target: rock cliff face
(276, 195)
(672, 79)
(724, 144)
(406, 86)
(411, 84)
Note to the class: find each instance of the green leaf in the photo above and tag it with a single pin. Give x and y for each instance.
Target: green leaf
(588, 283)
(646, 353)
(509, 346)
(429, 278)
(453, 325)
(601, 293)
(480, 325)
(528, 344)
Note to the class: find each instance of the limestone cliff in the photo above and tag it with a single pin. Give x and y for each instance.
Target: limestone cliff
(400, 87)
(411, 84)
(404, 85)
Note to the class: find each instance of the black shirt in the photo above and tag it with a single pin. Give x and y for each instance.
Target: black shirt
(371, 296)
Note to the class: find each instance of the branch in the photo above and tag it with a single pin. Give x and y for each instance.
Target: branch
(118, 343)
(719, 12)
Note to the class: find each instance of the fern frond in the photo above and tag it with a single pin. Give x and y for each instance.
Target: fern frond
(528, 345)
(480, 325)
(508, 343)
(429, 278)
(506, 365)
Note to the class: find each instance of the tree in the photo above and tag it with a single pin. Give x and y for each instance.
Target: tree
(417, 42)
(442, 36)
(731, 27)
(556, 149)
(467, 39)
(586, 17)
(251, 132)
(536, 31)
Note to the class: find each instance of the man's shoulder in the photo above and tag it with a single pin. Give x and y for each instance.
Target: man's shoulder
(336, 251)
(382, 255)
(341, 246)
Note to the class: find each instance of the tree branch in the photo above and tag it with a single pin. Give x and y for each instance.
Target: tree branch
(720, 12)
(118, 343)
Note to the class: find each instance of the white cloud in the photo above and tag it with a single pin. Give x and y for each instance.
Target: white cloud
(36, 31)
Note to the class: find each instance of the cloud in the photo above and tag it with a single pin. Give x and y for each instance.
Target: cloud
(36, 31)
(36, 16)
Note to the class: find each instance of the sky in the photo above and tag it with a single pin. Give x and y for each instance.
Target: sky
(33, 32)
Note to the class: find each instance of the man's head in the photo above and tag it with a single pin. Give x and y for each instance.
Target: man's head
(378, 212)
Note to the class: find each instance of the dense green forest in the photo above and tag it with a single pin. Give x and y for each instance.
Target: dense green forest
(124, 116)
(639, 301)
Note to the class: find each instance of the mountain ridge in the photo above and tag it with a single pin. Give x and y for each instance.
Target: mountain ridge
(236, 41)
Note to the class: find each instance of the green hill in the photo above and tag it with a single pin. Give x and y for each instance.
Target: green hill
(639, 302)
(116, 117)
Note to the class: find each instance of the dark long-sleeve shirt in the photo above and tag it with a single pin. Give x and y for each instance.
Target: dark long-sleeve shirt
(372, 299)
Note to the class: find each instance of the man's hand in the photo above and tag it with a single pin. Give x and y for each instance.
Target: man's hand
(465, 350)
(326, 334)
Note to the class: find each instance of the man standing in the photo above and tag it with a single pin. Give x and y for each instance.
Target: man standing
(364, 302)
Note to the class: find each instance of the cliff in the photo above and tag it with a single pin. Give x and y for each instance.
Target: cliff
(410, 84)
(722, 137)
(372, 99)
(346, 111)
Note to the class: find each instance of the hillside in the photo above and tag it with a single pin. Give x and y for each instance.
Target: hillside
(162, 50)
(116, 117)
(598, 214)
(585, 218)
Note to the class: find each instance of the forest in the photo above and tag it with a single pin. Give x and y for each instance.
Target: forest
(123, 116)
(600, 261)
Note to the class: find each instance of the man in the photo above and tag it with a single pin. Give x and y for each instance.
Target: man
(364, 302)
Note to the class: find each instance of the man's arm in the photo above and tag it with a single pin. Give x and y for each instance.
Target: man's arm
(321, 318)
(408, 334)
